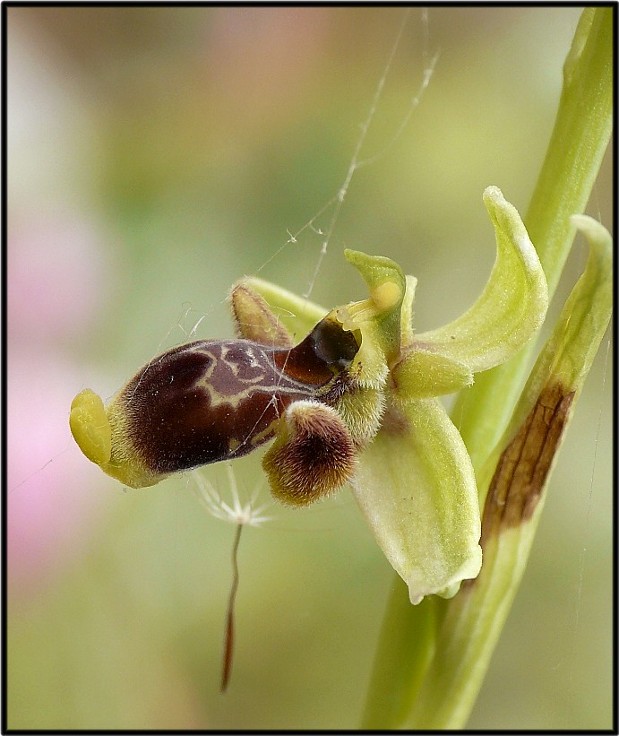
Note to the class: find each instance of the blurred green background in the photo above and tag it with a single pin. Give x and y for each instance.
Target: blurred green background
(155, 156)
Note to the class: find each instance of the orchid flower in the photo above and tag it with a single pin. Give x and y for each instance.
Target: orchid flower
(355, 402)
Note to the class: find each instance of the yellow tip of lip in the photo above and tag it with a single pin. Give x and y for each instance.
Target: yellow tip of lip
(90, 427)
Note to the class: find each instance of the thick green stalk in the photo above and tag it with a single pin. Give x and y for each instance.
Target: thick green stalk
(516, 477)
(579, 139)
(423, 687)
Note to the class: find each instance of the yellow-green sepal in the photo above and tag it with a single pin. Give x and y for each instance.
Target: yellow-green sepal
(416, 486)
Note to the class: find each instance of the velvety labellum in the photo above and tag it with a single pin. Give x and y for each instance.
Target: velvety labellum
(214, 400)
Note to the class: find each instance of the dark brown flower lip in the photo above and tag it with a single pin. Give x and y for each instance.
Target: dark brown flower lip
(212, 400)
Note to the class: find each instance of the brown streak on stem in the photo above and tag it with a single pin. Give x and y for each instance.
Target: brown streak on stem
(229, 630)
(523, 467)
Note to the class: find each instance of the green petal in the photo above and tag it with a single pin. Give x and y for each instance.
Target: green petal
(512, 306)
(254, 318)
(416, 486)
(421, 374)
(296, 314)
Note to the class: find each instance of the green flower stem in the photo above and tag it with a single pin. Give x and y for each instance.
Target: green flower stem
(434, 683)
(579, 139)
(402, 658)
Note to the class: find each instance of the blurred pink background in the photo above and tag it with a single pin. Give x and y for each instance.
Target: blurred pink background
(156, 154)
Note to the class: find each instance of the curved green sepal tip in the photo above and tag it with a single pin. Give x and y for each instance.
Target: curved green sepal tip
(512, 306)
(90, 427)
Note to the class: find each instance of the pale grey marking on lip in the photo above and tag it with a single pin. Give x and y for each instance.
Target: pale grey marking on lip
(271, 380)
